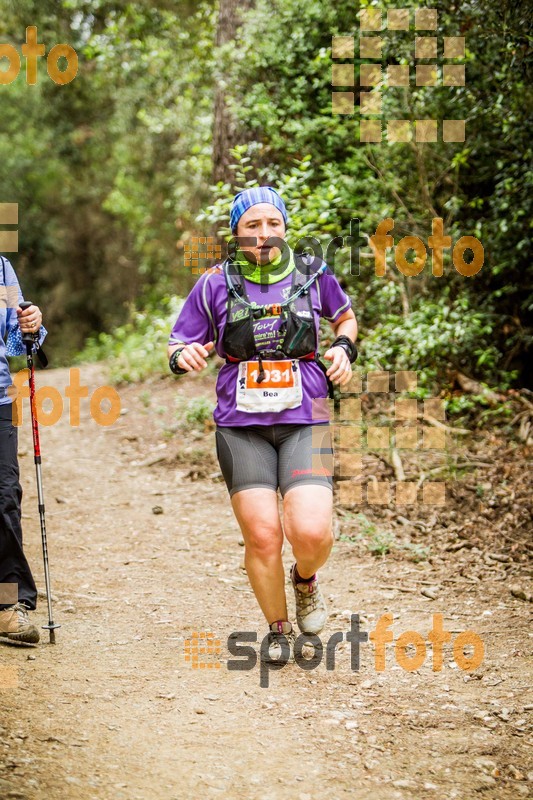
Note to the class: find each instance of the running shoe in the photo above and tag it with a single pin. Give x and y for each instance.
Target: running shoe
(311, 609)
(281, 636)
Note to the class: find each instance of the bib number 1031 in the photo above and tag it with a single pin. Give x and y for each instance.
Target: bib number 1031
(280, 389)
(273, 375)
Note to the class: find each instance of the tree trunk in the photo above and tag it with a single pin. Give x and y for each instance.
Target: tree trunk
(224, 128)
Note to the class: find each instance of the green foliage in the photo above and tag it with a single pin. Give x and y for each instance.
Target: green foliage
(112, 172)
(379, 542)
(110, 169)
(434, 337)
(198, 411)
(310, 213)
(480, 188)
(415, 552)
(137, 349)
(376, 542)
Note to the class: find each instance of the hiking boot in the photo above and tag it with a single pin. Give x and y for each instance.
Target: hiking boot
(15, 625)
(280, 636)
(311, 609)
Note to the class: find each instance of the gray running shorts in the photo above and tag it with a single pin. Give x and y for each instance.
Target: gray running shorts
(268, 456)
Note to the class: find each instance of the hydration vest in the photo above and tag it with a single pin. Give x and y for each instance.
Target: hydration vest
(297, 327)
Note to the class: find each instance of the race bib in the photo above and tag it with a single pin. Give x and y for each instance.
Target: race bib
(280, 389)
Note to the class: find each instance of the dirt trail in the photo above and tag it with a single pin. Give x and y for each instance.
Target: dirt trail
(115, 712)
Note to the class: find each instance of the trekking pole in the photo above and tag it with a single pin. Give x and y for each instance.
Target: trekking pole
(29, 340)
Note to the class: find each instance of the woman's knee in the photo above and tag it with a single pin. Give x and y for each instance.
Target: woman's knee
(264, 541)
(312, 536)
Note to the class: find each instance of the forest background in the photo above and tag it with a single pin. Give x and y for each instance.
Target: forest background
(178, 104)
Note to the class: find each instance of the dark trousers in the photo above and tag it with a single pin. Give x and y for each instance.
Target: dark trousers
(13, 565)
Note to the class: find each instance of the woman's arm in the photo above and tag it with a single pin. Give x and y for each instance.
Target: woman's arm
(341, 369)
(193, 333)
(346, 325)
(192, 355)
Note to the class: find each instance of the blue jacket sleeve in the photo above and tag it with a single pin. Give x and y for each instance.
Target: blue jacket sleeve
(13, 293)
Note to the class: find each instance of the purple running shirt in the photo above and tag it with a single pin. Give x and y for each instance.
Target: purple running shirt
(202, 320)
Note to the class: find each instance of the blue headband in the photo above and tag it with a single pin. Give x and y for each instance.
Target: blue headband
(251, 197)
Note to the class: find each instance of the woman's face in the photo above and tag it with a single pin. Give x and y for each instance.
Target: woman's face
(257, 224)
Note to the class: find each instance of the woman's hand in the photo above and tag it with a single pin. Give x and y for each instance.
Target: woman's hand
(193, 356)
(341, 370)
(30, 320)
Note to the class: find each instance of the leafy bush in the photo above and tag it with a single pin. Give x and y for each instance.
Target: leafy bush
(434, 337)
(138, 349)
(312, 211)
(198, 411)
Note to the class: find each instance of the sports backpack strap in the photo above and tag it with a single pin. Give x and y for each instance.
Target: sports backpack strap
(331, 390)
(304, 265)
(307, 268)
(236, 290)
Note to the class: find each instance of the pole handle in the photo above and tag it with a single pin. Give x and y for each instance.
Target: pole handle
(27, 338)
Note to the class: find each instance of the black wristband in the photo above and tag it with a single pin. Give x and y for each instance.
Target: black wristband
(173, 363)
(348, 346)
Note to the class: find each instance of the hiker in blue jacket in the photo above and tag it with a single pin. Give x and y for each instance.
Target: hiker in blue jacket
(21, 596)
